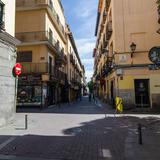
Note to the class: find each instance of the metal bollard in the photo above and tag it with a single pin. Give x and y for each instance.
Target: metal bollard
(140, 133)
(26, 122)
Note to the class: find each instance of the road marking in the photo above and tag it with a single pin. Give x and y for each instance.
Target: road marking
(7, 142)
(106, 153)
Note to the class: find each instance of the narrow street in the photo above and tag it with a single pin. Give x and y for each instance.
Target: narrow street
(79, 131)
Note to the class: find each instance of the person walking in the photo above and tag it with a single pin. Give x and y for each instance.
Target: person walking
(90, 87)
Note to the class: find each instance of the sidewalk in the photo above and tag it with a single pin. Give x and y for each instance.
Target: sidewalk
(150, 148)
(80, 131)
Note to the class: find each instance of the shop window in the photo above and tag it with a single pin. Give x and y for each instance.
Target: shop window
(24, 56)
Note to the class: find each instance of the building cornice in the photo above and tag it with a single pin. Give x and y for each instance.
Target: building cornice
(7, 38)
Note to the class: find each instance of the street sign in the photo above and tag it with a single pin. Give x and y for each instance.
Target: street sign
(18, 69)
(154, 55)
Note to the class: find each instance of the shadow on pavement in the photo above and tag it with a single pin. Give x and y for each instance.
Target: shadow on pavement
(102, 139)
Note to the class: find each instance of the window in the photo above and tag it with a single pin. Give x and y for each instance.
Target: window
(58, 19)
(50, 35)
(1, 15)
(24, 56)
(51, 4)
(62, 50)
(50, 64)
(58, 45)
(62, 29)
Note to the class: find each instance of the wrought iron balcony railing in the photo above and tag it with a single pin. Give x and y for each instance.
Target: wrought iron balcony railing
(61, 58)
(107, 4)
(31, 68)
(42, 68)
(72, 60)
(109, 30)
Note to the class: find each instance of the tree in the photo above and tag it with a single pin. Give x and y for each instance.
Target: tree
(90, 86)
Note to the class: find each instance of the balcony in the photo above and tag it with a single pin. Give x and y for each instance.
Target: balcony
(34, 68)
(98, 77)
(36, 37)
(72, 60)
(107, 4)
(108, 66)
(102, 28)
(105, 44)
(41, 37)
(36, 4)
(59, 75)
(43, 68)
(104, 16)
(109, 30)
(61, 59)
(104, 51)
(76, 82)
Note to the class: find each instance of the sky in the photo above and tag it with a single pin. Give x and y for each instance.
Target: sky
(81, 16)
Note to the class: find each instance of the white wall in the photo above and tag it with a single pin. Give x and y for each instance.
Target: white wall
(9, 16)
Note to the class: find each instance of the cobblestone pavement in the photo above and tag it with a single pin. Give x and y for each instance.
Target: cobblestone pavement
(80, 131)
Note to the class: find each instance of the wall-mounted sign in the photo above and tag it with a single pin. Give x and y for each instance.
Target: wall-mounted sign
(122, 58)
(119, 72)
(154, 55)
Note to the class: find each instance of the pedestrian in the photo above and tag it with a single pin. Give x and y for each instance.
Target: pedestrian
(90, 87)
(90, 97)
(94, 98)
(80, 97)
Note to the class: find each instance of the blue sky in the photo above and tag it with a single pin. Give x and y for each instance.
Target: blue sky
(81, 16)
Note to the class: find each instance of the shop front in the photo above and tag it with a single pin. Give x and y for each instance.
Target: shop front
(32, 91)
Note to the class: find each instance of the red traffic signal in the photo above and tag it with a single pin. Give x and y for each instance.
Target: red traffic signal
(17, 69)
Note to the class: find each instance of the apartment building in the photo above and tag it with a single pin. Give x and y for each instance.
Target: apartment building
(126, 33)
(40, 26)
(7, 60)
(76, 72)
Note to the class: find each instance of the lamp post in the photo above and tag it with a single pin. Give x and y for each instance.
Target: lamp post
(133, 48)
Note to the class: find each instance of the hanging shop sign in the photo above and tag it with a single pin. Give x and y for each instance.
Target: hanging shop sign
(154, 55)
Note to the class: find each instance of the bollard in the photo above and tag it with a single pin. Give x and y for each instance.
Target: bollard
(26, 122)
(140, 133)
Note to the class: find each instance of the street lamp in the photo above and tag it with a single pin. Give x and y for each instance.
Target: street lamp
(133, 48)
